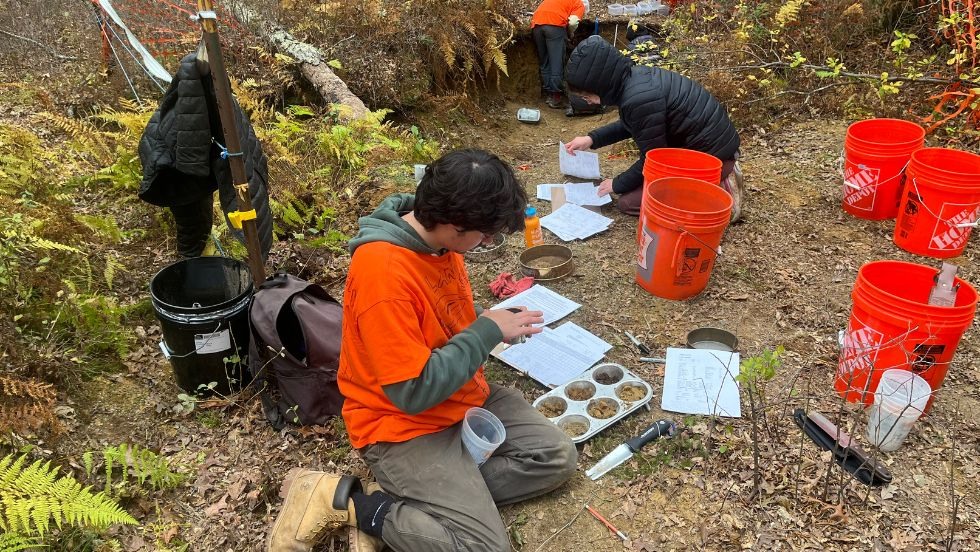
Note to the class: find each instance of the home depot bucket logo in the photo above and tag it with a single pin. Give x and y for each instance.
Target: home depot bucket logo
(953, 226)
(859, 350)
(860, 183)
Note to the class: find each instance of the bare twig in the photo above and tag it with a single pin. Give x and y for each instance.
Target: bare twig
(861, 76)
(49, 49)
(563, 527)
(952, 490)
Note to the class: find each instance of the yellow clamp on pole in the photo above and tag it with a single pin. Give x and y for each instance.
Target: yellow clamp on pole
(237, 217)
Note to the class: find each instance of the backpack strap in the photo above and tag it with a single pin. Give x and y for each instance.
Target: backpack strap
(259, 376)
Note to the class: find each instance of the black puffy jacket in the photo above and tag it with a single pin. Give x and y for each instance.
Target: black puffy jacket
(657, 108)
(181, 162)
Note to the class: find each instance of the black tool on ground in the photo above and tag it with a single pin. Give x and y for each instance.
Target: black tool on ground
(622, 453)
(847, 453)
(638, 344)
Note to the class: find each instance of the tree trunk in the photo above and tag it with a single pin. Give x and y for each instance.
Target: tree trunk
(312, 63)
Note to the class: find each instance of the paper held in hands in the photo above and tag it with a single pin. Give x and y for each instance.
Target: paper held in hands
(554, 306)
(701, 381)
(584, 164)
(555, 357)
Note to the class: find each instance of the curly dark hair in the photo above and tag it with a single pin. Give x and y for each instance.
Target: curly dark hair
(472, 190)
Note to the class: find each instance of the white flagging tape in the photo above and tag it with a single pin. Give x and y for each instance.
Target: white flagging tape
(152, 65)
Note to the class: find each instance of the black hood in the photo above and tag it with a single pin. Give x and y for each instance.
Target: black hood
(595, 66)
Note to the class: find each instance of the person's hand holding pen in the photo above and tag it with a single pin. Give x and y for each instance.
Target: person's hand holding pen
(515, 322)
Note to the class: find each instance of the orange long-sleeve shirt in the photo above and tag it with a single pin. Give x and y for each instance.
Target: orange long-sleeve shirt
(556, 12)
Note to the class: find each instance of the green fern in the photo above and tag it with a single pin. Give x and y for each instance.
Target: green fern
(13, 542)
(32, 497)
(112, 265)
(145, 466)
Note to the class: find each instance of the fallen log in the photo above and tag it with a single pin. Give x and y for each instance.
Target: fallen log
(311, 61)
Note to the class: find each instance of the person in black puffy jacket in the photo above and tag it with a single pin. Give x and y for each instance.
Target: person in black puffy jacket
(658, 109)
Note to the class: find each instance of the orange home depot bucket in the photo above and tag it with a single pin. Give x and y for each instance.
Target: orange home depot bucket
(876, 152)
(893, 325)
(664, 162)
(940, 201)
(682, 225)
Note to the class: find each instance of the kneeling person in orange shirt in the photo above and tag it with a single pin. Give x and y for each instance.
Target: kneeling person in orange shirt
(411, 365)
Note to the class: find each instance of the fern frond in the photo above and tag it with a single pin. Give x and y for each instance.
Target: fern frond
(112, 265)
(13, 542)
(42, 243)
(31, 497)
(26, 404)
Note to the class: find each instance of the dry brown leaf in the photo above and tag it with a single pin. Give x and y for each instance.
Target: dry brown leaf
(216, 508)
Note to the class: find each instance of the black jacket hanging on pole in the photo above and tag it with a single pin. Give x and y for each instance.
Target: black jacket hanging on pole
(657, 108)
(182, 164)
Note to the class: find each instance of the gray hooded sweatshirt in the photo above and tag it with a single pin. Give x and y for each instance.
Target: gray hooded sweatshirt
(455, 363)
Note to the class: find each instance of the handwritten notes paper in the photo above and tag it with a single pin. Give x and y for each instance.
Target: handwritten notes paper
(701, 381)
(584, 164)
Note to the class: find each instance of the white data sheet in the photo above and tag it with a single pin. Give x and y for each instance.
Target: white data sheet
(701, 381)
(570, 222)
(538, 297)
(554, 357)
(584, 164)
(585, 193)
(579, 193)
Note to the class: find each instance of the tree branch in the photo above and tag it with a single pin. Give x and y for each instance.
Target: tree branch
(49, 49)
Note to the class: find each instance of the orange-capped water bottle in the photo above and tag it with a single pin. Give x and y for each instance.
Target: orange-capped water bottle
(532, 227)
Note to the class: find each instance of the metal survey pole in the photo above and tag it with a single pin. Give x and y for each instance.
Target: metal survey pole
(222, 91)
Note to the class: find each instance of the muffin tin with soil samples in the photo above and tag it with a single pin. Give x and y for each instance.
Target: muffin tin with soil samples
(595, 400)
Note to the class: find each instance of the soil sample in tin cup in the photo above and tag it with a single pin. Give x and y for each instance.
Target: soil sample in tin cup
(573, 426)
(631, 392)
(580, 390)
(607, 375)
(602, 408)
(541, 263)
(552, 407)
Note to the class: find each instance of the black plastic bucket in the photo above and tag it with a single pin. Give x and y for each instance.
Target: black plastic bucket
(202, 304)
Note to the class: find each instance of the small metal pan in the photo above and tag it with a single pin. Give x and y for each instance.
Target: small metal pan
(547, 262)
(712, 338)
(487, 253)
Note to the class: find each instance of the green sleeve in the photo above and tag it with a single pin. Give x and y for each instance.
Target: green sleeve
(448, 369)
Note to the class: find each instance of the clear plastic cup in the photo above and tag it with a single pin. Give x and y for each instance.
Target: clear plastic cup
(899, 401)
(482, 433)
(419, 172)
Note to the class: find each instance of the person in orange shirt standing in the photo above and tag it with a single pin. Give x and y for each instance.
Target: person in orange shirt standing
(554, 21)
(411, 365)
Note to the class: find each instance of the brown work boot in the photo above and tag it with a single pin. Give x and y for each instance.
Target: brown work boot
(359, 541)
(316, 503)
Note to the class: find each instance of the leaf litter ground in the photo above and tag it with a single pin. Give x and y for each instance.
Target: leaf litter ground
(784, 278)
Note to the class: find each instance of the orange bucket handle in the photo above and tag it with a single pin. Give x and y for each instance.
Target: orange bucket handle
(677, 248)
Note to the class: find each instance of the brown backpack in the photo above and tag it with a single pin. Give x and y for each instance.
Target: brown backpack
(295, 351)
